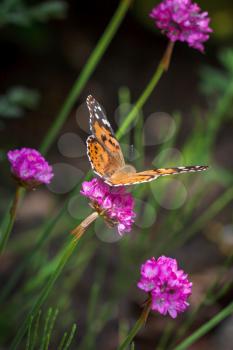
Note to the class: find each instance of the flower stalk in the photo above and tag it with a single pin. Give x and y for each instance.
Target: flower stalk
(80, 229)
(12, 215)
(65, 256)
(138, 325)
(161, 68)
(166, 59)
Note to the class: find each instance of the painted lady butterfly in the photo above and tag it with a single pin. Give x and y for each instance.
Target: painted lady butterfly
(107, 160)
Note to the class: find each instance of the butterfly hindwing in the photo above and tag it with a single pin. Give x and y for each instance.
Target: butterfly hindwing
(102, 162)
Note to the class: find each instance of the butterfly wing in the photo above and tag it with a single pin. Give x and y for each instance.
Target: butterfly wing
(106, 157)
(102, 161)
(97, 115)
(102, 131)
(126, 179)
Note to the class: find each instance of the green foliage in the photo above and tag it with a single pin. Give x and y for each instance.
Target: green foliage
(215, 80)
(40, 337)
(20, 13)
(17, 99)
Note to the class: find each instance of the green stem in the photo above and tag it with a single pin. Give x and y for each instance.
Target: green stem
(12, 215)
(71, 336)
(167, 333)
(141, 101)
(26, 261)
(138, 325)
(162, 67)
(176, 240)
(205, 328)
(85, 74)
(68, 250)
(213, 210)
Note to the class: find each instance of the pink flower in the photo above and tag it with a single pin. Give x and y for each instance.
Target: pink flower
(168, 287)
(114, 204)
(29, 167)
(182, 20)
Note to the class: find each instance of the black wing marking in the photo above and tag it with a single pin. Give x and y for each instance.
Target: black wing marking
(97, 114)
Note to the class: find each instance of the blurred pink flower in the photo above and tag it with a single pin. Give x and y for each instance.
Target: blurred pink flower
(182, 20)
(168, 287)
(29, 167)
(114, 204)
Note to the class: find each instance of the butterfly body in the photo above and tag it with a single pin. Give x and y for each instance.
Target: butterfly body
(107, 160)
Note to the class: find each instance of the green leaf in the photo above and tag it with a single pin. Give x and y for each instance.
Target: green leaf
(22, 96)
(7, 110)
(48, 10)
(16, 100)
(20, 14)
(71, 336)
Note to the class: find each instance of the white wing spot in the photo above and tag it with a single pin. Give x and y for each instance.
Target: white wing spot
(106, 122)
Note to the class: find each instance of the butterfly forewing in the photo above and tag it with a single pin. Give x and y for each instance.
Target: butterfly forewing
(102, 131)
(97, 115)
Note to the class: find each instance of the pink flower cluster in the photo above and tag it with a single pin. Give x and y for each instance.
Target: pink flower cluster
(169, 287)
(116, 203)
(29, 167)
(182, 20)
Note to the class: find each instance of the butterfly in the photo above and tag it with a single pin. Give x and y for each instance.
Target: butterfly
(107, 160)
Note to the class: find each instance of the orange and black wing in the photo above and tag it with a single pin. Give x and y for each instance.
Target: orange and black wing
(102, 131)
(102, 161)
(124, 179)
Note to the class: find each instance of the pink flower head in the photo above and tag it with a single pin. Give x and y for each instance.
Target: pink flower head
(114, 204)
(182, 20)
(168, 287)
(29, 167)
